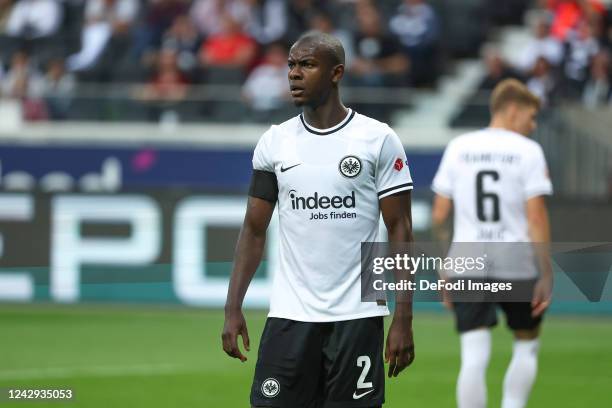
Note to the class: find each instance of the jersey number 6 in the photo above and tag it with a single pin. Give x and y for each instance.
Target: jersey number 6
(481, 196)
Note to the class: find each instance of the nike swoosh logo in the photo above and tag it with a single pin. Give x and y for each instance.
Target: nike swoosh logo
(288, 168)
(357, 396)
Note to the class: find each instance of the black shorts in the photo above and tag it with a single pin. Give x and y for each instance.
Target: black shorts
(472, 315)
(322, 365)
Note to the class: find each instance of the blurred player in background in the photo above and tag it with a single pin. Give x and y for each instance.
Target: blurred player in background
(496, 181)
(332, 172)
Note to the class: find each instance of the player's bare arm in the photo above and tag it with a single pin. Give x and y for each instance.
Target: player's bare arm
(248, 255)
(539, 233)
(399, 350)
(440, 227)
(440, 217)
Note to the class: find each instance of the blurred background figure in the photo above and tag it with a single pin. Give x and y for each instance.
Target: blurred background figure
(105, 37)
(265, 90)
(497, 69)
(268, 22)
(6, 6)
(299, 15)
(323, 21)
(568, 14)
(417, 27)
(183, 37)
(33, 25)
(378, 59)
(166, 89)
(230, 47)
(209, 15)
(24, 83)
(542, 81)
(542, 44)
(159, 17)
(581, 46)
(34, 18)
(598, 90)
(58, 88)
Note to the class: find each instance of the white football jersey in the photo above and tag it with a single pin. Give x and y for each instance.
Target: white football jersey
(330, 182)
(490, 174)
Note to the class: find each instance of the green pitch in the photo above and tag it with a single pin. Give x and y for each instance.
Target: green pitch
(171, 357)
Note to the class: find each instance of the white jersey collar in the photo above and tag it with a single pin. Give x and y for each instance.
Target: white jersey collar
(321, 132)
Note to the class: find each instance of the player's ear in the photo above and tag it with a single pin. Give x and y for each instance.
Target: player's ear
(337, 73)
(510, 111)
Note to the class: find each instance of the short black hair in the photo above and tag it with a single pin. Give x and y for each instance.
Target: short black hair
(327, 43)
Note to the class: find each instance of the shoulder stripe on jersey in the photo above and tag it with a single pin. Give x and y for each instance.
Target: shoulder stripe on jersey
(394, 188)
(316, 132)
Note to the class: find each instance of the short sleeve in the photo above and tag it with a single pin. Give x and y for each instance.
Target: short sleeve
(262, 157)
(392, 172)
(443, 180)
(536, 178)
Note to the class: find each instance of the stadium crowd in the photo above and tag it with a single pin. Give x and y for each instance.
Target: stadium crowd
(50, 48)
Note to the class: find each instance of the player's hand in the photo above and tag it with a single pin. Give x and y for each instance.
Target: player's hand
(399, 350)
(542, 294)
(234, 326)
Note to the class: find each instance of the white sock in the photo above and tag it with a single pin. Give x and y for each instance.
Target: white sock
(475, 354)
(521, 373)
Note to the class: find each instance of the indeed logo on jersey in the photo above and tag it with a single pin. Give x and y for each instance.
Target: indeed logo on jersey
(323, 202)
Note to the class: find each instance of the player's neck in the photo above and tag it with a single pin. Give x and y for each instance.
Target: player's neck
(326, 115)
(497, 123)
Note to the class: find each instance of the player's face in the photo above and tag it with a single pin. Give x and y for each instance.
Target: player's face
(525, 119)
(310, 76)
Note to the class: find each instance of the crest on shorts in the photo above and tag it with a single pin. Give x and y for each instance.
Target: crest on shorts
(350, 166)
(270, 388)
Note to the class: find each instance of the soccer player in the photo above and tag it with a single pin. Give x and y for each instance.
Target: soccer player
(496, 180)
(332, 172)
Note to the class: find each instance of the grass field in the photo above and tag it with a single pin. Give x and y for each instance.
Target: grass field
(171, 357)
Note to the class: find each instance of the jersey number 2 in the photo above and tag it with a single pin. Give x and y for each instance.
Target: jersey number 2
(363, 361)
(482, 196)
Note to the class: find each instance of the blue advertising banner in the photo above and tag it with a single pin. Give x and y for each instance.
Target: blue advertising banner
(111, 169)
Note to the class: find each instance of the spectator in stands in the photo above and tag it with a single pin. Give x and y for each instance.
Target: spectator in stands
(106, 29)
(183, 38)
(568, 14)
(208, 15)
(6, 6)
(58, 89)
(230, 47)
(268, 22)
(475, 112)
(378, 58)
(162, 14)
(543, 44)
(598, 89)
(31, 19)
(24, 83)
(581, 47)
(299, 15)
(266, 88)
(542, 81)
(168, 82)
(416, 25)
(167, 88)
(496, 70)
(21, 80)
(322, 21)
